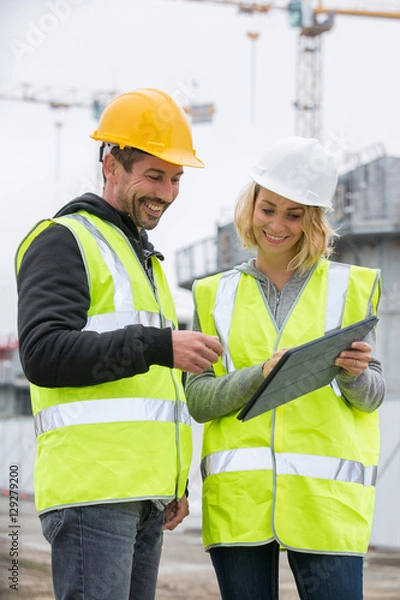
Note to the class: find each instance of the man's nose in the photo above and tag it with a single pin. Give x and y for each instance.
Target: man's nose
(167, 191)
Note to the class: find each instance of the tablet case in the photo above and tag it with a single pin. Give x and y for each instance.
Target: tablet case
(304, 369)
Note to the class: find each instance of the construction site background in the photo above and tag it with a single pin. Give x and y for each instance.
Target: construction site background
(186, 571)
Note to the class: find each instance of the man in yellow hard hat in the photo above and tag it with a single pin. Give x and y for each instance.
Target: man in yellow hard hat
(100, 345)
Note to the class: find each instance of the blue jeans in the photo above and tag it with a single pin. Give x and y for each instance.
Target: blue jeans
(105, 551)
(252, 573)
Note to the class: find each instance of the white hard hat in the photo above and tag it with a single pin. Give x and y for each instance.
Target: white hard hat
(299, 169)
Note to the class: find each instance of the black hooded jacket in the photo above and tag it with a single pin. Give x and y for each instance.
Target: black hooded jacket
(53, 300)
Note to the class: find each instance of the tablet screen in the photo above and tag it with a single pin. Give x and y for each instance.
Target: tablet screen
(304, 369)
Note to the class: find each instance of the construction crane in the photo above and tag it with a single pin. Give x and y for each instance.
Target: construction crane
(312, 18)
(312, 22)
(61, 98)
(58, 99)
(65, 98)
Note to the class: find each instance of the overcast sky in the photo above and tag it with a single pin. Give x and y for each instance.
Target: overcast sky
(48, 157)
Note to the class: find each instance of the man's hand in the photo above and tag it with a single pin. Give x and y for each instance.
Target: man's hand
(175, 512)
(194, 351)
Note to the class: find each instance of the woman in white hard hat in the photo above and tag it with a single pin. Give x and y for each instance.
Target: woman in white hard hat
(299, 477)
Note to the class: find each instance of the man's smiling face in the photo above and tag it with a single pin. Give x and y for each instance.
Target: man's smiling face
(148, 190)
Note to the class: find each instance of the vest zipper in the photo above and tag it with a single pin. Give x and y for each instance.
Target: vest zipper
(144, 258)
(277, 302)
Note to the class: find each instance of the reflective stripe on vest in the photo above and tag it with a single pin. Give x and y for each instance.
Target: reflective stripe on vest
(302, 465)
(125, 313)
(112, 321)
(242, 459)
(338, 280)
(223, 310)
(114, 410)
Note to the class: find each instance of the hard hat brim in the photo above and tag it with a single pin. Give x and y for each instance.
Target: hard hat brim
(301, 196)
(152, 121)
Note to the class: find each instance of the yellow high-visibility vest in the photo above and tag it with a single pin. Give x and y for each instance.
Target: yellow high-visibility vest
(124, 440)
(304, 473)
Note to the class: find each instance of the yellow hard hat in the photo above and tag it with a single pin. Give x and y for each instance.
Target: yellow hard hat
(149, 120)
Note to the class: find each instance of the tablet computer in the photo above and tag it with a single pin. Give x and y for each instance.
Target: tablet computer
(304, 368)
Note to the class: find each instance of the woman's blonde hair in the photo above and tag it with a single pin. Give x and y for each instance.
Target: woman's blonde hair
(316, 241)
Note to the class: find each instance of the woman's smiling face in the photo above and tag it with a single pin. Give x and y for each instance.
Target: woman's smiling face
(277, 224)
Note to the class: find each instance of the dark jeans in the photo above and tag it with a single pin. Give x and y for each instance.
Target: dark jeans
(252, 573)
(105, 551)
